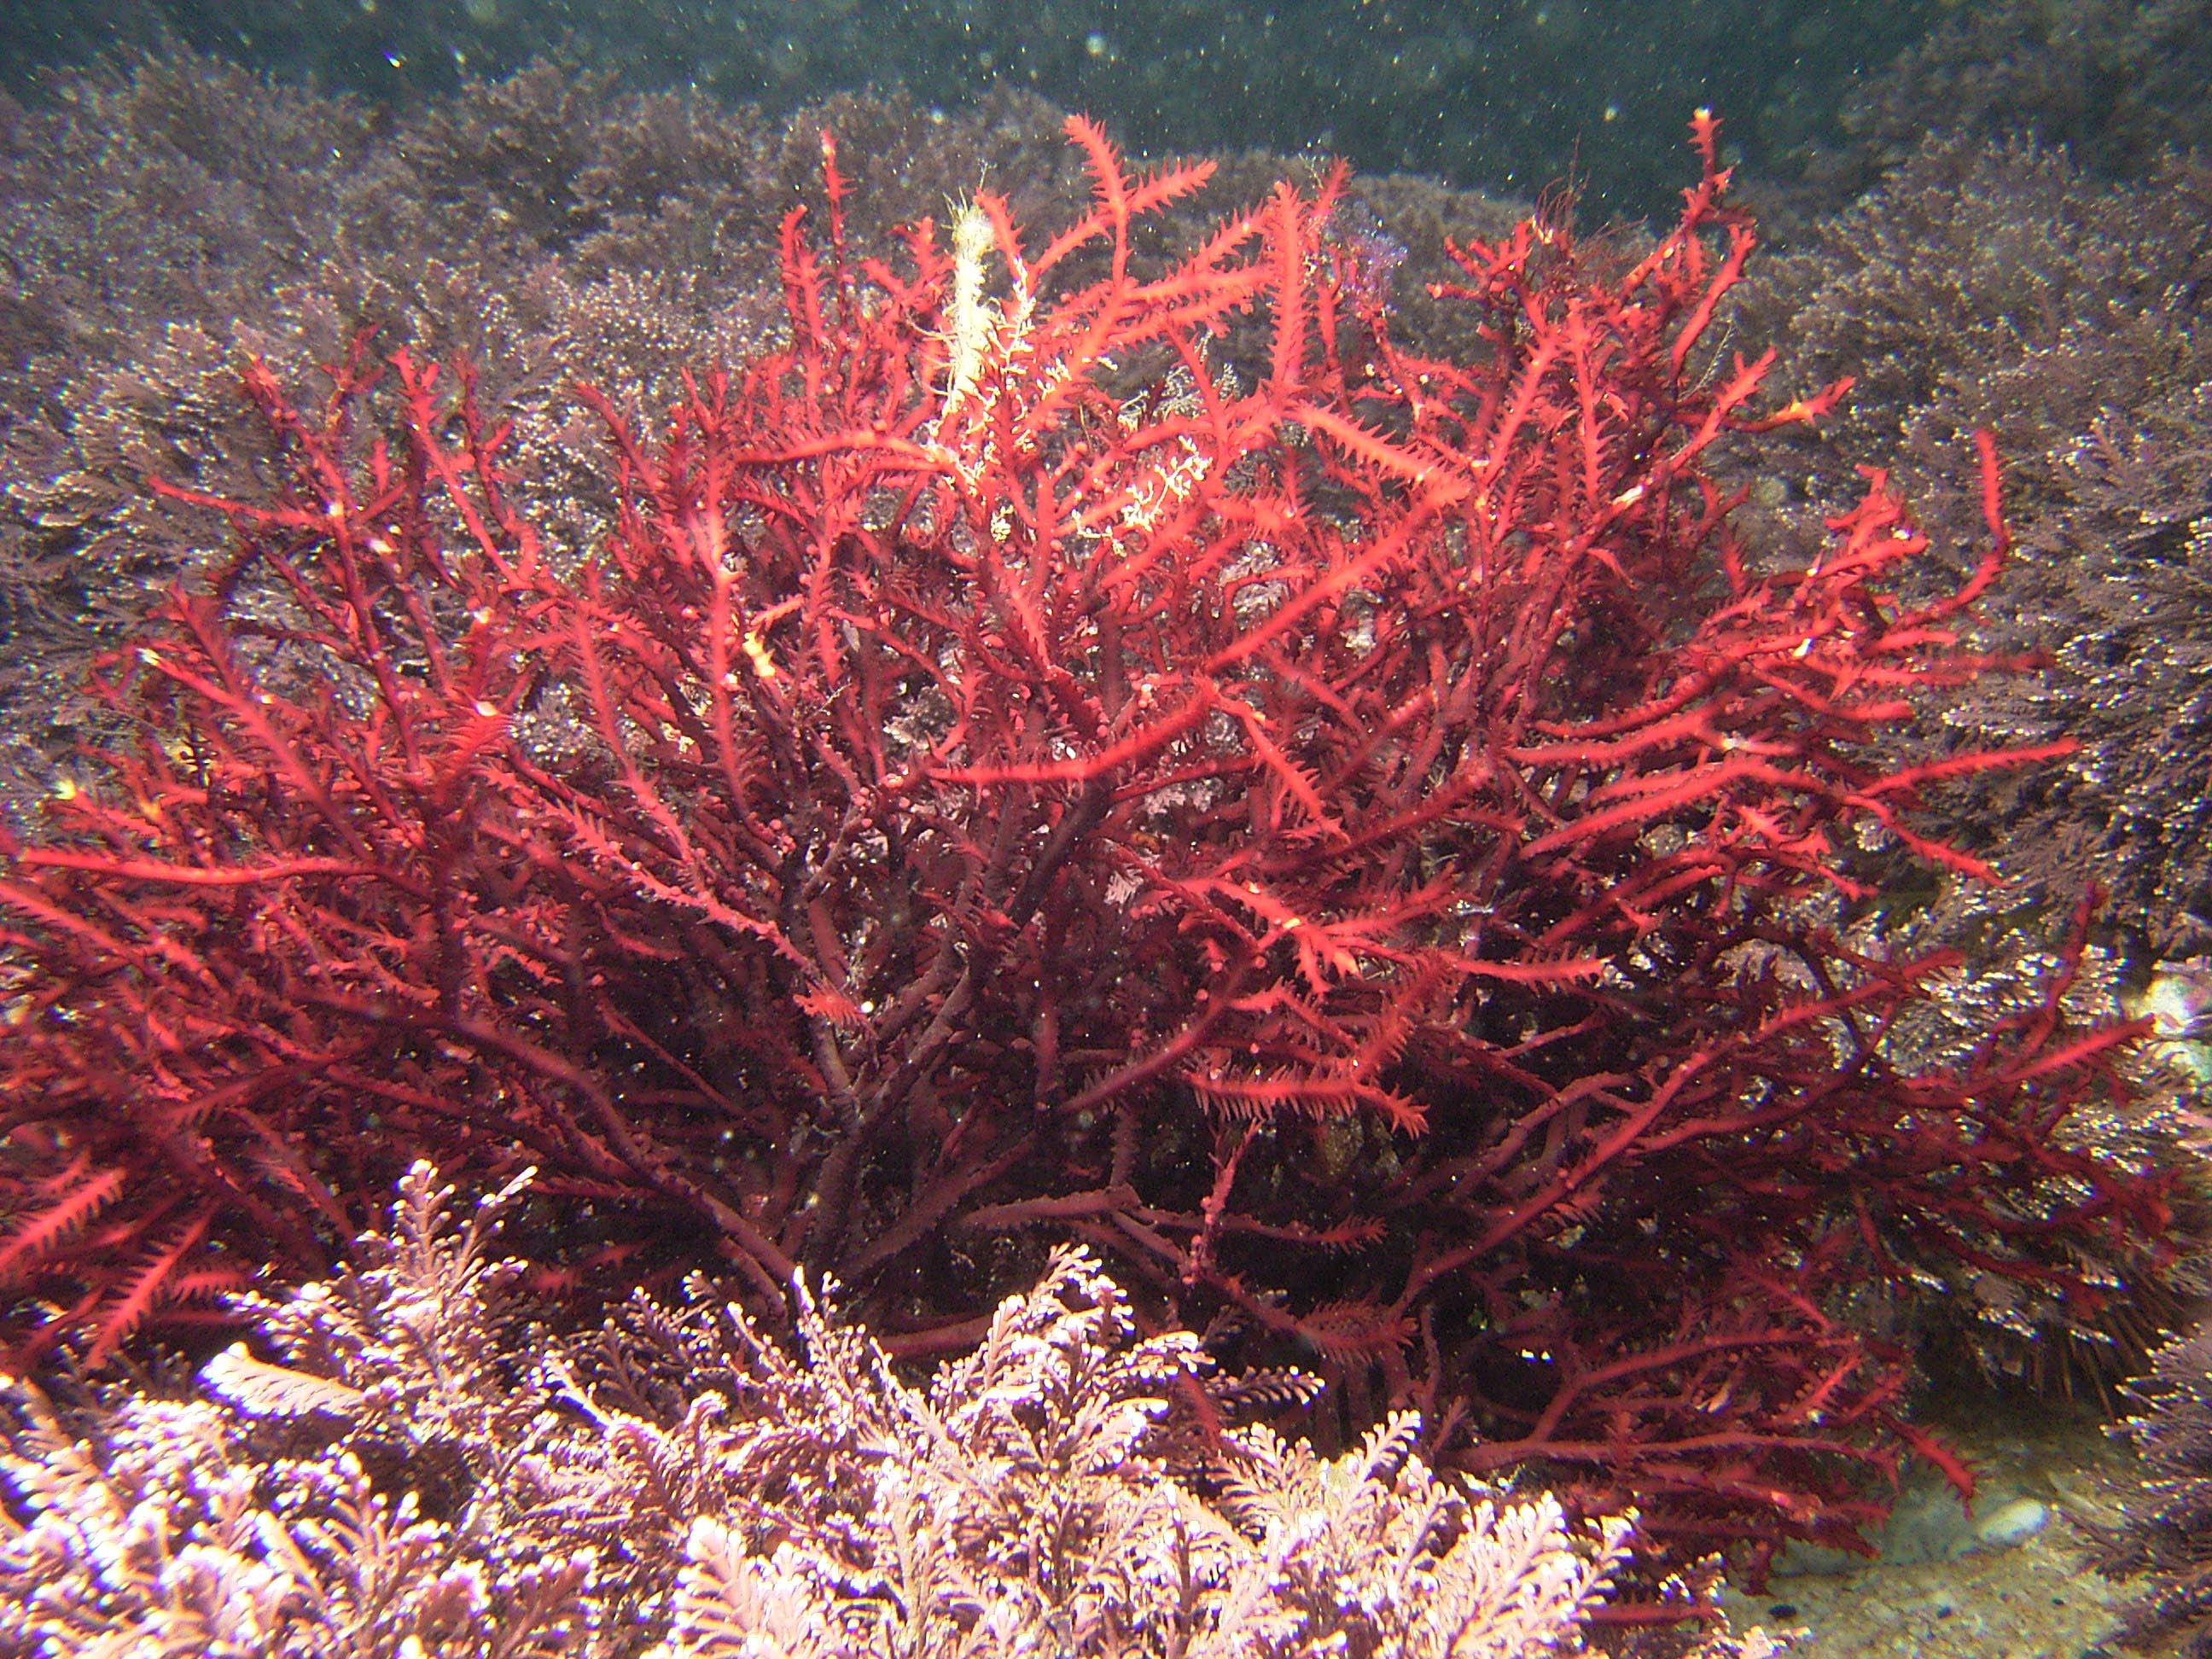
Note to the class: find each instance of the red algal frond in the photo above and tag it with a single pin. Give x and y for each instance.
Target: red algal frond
(1349, 846)
(1121, 199)
(59, 1206)
(1353, 1332)
(153, 1285)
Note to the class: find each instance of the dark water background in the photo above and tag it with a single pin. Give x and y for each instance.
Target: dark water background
(1512, 95)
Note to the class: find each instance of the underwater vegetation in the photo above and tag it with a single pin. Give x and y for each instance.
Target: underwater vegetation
(1067, 748)
(2006, 287)
(2164, 1532)
(414, 1471)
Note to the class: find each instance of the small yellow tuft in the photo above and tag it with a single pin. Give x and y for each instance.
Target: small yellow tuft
(969, 315)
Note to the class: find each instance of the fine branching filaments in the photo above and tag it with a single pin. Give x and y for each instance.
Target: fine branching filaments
(1080, 747)
(398, 1465)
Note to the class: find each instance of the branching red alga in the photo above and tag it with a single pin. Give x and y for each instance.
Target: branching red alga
(1346, 839)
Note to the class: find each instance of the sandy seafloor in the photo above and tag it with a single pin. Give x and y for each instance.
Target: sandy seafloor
(2009, 1578)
